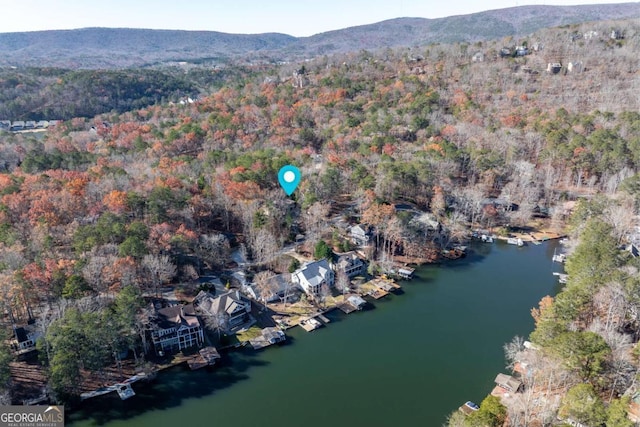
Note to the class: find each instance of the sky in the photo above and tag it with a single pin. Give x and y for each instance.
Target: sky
(298, 18)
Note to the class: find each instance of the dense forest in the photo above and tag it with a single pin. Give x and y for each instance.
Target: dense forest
(99, 211)
(60, 94)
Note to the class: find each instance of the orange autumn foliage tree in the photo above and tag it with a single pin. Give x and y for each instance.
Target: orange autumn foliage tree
(543, 307)
(115, 201)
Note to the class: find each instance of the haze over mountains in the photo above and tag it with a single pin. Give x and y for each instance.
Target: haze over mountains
(119, 47)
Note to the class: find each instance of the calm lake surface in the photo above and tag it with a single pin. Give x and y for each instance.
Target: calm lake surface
(411, 360)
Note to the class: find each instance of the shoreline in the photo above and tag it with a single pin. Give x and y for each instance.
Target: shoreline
(181, 359)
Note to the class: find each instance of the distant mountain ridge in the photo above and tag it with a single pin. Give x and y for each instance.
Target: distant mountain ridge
(124, 47)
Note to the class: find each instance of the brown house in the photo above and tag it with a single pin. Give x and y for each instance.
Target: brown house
(508, 383)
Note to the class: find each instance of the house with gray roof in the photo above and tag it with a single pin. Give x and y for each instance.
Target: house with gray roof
(312, 276)
(25, 338)
(17, 125)
(279, 288)
(360, 234)
(175, 328)
(508, 383)
(232, 307)
(350, 264)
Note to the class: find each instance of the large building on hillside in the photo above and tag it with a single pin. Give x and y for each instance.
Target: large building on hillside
(176, 328)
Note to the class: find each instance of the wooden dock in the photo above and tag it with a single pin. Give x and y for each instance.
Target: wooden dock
(346, 308)
(380, 287)
(385, 284)
(323, 318)
(310, 324)
(269, 336)
(205, 357)
(378, 293)
(353, 303)
(562, 278)
(123, 389)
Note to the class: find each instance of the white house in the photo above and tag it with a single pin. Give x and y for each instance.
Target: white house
(312, 275)
(477, 57)
(360, 234)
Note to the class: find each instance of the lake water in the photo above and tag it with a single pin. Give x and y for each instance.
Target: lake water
(411, 360)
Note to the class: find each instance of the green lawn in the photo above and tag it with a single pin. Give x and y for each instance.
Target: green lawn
(249, 334)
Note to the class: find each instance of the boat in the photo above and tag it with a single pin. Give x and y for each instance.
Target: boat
(310, 324)
(515, 241)
(468, 408)
(561, 258)
(486, 238)
(125, 391)
(562, 278)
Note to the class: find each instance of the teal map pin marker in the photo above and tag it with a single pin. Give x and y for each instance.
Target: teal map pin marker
(289, 178)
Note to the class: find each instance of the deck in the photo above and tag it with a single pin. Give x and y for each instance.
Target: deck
(323, 318)
(206, 357)
(379, 287)
(269, 336)
(378, 293)
(346, 307)
(310, 324)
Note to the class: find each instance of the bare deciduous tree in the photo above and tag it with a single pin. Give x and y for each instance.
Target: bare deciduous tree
(159, 270)
(265, 285)
(343, 283)
(513, 350)
(214, 249)
(315, 219)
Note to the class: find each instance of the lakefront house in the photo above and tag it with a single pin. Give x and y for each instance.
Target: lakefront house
(231, 310)
(312, 276)
(350, 264)
(175, 328)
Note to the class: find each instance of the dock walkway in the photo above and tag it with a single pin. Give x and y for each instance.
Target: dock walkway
(323, 318)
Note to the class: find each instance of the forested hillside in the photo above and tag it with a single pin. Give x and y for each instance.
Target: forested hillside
(129, 47)
(98, 211)
(61, 94)
(583, 364)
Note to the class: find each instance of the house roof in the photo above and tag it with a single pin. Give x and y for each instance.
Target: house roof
(21, 334)
(278, 283)
(314, 272)
(229, 302)
(281, 282)
(176, 316)
(272, 334)
(356, 301)
(348, 259)
(508, 382)
(359, 229)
